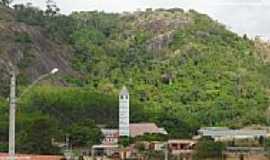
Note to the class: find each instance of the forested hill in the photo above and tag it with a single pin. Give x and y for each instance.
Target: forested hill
(183, 69)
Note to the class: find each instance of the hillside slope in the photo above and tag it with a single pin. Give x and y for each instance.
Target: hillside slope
(182, 61)
(183, 70)
(30, 49)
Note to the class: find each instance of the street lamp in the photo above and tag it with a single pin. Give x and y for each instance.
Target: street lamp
(12, 106)
(55, 70)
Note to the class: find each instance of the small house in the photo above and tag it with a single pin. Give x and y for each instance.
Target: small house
(181, 147)
(111, 136)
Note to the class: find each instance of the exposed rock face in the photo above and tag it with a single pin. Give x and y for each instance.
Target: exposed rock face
(160, 41)
(162, 21)
(30, 49)
(263, 49)
(161, 25)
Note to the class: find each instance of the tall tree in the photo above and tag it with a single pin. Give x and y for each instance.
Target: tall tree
(207, 149)
(52, 8)
(85, 133)
(6, 2)
(37, 137)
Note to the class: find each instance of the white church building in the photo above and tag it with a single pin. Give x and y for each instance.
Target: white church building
(126, 128)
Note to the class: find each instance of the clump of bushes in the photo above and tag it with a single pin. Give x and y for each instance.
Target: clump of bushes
(207, 149)
(23, 38)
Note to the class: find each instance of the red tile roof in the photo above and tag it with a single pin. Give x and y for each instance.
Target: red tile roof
(138, 129)
(4, 156)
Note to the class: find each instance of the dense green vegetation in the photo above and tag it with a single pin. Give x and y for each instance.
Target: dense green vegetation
(85, 134)
(208, 149)
(41, 130)
(183, 71)
(267, 147)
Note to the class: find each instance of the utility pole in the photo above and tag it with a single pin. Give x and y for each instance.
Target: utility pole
(166, 152)
(67, 142)
(12, 115)
(12, 106)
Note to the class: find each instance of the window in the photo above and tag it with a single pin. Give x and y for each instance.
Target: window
(174, 146)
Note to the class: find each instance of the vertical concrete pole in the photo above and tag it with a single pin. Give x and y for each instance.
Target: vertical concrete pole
(12, 115)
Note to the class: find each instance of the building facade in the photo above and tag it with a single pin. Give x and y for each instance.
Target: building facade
(111, 136)
(226, 134)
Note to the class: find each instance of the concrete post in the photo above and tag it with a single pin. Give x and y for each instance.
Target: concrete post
(166, 152)
(12, 116)
(93, 153)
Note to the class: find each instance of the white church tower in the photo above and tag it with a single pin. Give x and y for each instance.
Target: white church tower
(124, 112)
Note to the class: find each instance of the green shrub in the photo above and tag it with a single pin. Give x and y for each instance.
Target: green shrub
(206, 149)
(23, 38)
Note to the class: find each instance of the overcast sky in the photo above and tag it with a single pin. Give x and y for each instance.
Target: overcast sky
(241, 16)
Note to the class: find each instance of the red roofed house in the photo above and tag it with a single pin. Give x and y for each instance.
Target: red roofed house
(111, 136)
(139, 129)
(182, 147)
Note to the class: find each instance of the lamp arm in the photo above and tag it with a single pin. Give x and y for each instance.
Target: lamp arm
(33, 84)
